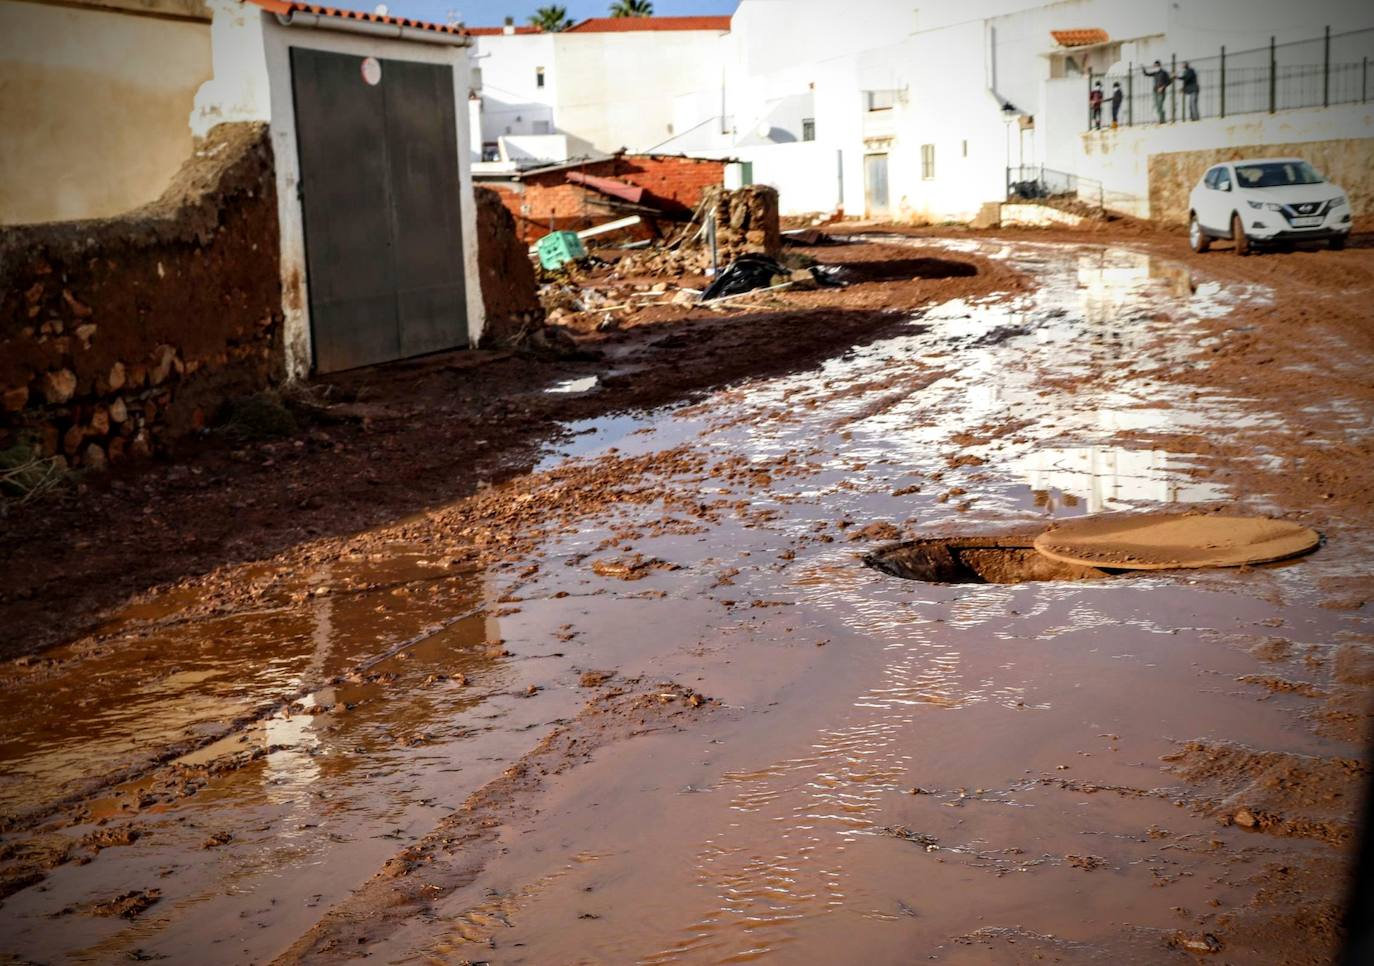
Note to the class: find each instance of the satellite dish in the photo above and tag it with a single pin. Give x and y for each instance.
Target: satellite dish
(381, 10)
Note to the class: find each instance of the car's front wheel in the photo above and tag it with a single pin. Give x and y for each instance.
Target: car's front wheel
(1238, 235)
(1337, 243)
(1198, 239)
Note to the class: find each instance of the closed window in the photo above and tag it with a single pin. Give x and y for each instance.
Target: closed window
(539, 77)
(808, 129)
(880, 100)
(927, 161)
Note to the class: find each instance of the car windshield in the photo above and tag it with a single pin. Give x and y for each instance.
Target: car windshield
(1276, 174)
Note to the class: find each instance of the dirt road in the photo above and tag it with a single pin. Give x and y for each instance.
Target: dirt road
(640, 701)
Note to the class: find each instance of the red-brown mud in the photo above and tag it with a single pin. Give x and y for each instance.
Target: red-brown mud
(378, 739)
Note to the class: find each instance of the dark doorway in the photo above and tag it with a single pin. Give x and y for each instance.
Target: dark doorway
(380, 190)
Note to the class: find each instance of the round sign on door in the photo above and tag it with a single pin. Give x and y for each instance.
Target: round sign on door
(372, 71)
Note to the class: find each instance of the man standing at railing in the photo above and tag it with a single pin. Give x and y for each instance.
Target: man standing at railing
(1117, 97)
(1095, 106)
(1161, 80)
(1190, 89)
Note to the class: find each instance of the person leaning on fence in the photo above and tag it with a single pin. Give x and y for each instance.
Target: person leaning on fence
(1117, 97)
(1162, 80)
(1095, 106)
(1190, 89)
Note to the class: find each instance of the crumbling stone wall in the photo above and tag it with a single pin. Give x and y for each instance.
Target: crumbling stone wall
(510, 292)
(119, 334)
(746, 222)
(1348, 162)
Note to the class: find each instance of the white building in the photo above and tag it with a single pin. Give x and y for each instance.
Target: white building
(600, 86)
(887, 109)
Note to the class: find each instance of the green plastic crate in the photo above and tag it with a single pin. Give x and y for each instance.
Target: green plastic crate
(559, 247)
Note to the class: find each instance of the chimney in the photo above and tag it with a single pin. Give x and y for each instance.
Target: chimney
(509, 27)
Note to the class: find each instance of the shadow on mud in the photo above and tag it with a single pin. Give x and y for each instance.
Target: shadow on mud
(1004, 559)
(903, 268)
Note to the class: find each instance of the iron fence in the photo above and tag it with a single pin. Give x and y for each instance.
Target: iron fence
(1319, 72)
(1035, 182)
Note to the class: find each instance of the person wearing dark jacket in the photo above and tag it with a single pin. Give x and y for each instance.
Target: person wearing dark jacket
(1095, 107)
(1117, 97)
(1190, 90)
(1161, 80)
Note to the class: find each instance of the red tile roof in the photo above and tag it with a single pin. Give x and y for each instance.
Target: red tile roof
(622, 24)
(283, 7)
(498, 31)
(1080, 37)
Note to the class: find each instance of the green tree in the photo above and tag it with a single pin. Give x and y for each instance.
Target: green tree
(551, 19)
(632, 8)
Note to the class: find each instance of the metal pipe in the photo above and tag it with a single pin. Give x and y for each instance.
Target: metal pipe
(1173, 88)
(392, 31)
(1273, 81)
(1223, 80)
(1130, 93)
(1326, 69)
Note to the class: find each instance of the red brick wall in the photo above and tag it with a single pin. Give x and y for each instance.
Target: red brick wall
(550, 202)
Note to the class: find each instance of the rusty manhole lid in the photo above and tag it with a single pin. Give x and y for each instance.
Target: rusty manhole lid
(1168, 541)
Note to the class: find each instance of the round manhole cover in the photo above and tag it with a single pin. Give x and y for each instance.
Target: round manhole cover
(1174, 541)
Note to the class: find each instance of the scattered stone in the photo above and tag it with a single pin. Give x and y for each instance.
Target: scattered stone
(16, 398)
(59, 386)
(128, 905)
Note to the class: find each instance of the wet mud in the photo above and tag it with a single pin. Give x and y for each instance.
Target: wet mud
(639, 699)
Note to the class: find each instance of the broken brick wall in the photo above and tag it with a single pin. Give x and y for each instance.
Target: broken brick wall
(546, 202)
(118, 334)
(510, 292)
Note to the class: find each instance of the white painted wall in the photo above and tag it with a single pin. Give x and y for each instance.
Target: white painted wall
(512, 101)
(89, 130)
(1120, 159)
(253, 83)
(806, 174)
(607, 90)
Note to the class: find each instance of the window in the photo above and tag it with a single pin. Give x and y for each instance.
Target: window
(965, 149)
(880, 100)
(1223, 179)
(808, 129)
(927, 161)
(539, 77)
(541, 127)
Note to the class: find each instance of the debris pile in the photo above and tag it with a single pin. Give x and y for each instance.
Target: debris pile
(746, 222)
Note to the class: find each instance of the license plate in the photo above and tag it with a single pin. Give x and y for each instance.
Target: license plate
(1307, 222)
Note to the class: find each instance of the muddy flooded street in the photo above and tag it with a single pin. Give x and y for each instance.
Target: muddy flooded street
(647, 703)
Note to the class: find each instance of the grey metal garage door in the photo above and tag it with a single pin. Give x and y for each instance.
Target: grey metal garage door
(379, 185)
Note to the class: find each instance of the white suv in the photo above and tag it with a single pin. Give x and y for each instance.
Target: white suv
(1266, 200)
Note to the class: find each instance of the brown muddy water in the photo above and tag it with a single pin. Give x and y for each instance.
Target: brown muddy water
(967, 771)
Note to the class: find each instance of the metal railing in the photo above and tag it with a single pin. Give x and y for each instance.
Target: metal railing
(1319, 72)
(1035, 182)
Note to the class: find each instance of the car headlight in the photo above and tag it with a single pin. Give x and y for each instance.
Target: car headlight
(1259, 205)
(1339, 201)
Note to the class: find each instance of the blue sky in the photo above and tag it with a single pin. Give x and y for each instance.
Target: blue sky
(488, 13)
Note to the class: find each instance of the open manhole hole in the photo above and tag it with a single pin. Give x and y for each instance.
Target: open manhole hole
(1091, 548)
(1005, 559)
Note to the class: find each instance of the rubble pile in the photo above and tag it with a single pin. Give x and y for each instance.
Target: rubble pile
(746, 223)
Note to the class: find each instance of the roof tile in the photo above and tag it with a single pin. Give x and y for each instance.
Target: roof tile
(284, 7)
(1080, 37)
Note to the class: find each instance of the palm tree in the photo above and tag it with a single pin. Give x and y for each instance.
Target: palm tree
(551, 19)
(632, 8)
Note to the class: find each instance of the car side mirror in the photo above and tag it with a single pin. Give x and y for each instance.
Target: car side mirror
(1226, 186)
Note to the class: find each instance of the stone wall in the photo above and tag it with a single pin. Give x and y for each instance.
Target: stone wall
(1348, 162)
(119, 334)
